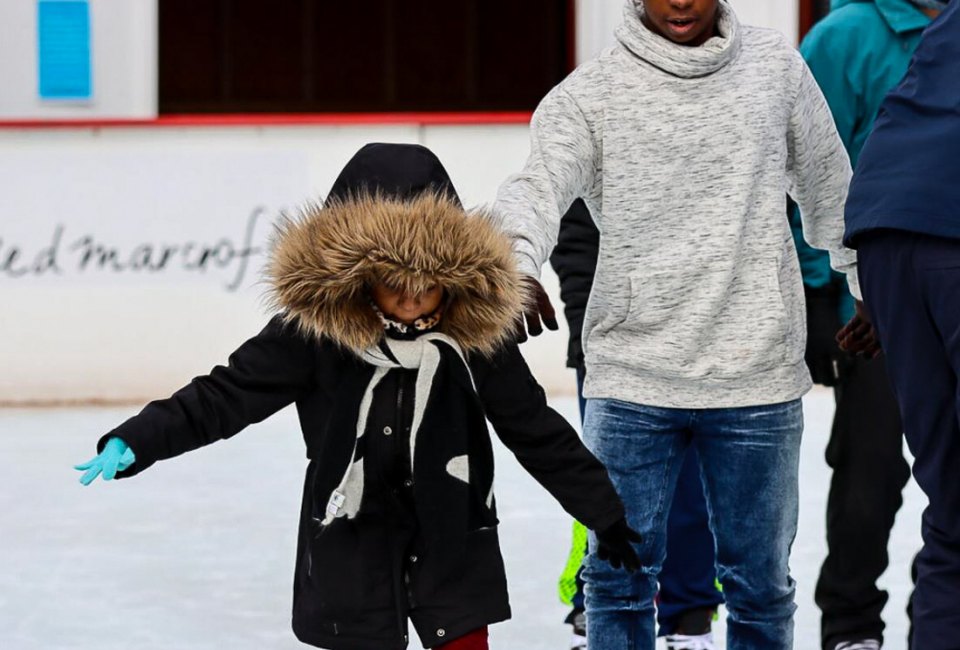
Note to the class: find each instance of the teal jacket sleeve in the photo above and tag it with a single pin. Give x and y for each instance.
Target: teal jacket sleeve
(826, 51)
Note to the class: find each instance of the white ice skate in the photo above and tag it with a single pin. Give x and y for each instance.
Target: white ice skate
(688, 642)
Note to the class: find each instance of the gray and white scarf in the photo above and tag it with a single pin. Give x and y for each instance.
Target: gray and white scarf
(420, 353)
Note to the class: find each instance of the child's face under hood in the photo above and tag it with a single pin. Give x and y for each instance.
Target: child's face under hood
(405, 306)
(396, 171)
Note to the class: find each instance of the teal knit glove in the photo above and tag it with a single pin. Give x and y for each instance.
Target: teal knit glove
(115, 457)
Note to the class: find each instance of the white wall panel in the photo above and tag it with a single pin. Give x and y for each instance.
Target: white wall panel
(92, 331)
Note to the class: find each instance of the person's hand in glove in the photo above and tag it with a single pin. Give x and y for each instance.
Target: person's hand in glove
(115, 457)
(823, 355)
(615, 545)
(537, 306)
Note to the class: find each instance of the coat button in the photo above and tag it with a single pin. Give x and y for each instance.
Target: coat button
(387, 431)
(441, 632)
(413, 558)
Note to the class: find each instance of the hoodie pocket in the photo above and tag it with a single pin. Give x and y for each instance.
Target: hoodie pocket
(702, 322)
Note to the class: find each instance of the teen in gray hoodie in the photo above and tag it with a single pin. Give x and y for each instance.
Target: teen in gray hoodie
(684, 140)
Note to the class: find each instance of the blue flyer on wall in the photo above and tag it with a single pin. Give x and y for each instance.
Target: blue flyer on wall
(64, 49)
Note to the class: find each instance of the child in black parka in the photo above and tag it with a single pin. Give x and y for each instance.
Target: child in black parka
(395, 311)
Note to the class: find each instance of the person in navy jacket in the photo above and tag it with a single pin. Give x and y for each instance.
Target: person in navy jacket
(903, 217)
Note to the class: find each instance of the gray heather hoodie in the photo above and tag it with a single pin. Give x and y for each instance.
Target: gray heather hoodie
(685, 156)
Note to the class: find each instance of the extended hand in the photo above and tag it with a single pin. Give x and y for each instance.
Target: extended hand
(536, 306)
(614, 544)
(859, 336)
(115, 457)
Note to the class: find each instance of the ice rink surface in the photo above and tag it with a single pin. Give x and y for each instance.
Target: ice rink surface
(197, 553)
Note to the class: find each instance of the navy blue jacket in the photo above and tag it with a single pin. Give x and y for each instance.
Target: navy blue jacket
(908, 175)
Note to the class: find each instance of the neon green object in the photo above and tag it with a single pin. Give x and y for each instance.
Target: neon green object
(578, 549)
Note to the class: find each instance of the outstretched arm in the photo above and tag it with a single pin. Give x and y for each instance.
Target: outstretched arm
(550, 450)
(263, 375)
(562, 166)
(819, 172)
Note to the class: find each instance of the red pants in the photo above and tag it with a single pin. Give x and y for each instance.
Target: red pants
(476, 640)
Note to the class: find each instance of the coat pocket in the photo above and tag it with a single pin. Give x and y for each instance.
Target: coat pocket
(346, 571)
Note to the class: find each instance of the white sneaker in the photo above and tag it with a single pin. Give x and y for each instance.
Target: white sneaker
(686, 642)
(578, 642)
(866, 644)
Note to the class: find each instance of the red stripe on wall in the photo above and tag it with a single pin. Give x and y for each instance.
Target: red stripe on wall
(280, 119)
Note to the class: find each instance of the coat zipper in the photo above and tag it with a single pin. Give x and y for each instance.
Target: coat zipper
(404, 440)
(400, 384)
(400, 420)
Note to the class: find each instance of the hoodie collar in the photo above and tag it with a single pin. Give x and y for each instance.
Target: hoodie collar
(902, 16)
(680, 60)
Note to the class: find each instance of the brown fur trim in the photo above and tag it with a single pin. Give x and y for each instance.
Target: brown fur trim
(325, 259)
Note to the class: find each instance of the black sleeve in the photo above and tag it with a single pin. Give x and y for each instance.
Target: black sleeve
(544, 442)
(575, 261)
(263, 375)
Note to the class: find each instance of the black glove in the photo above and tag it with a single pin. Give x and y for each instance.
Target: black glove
(537, 307)
(823, 355)
(614, 545)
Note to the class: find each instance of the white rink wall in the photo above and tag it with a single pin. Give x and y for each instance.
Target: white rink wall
(107, 293)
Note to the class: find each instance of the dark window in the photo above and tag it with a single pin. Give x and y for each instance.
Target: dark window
(224, 56)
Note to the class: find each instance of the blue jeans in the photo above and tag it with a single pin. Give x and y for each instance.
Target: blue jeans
(688, 573)
(749, 460)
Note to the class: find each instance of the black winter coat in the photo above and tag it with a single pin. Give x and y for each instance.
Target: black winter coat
(423, 544)
(358, 580)
(575, 261)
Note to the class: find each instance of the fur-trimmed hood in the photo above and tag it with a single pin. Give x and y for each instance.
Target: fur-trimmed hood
(383, 223)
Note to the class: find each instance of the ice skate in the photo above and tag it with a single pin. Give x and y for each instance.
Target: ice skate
(864, 644)
(690, 642)
(578, 619)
